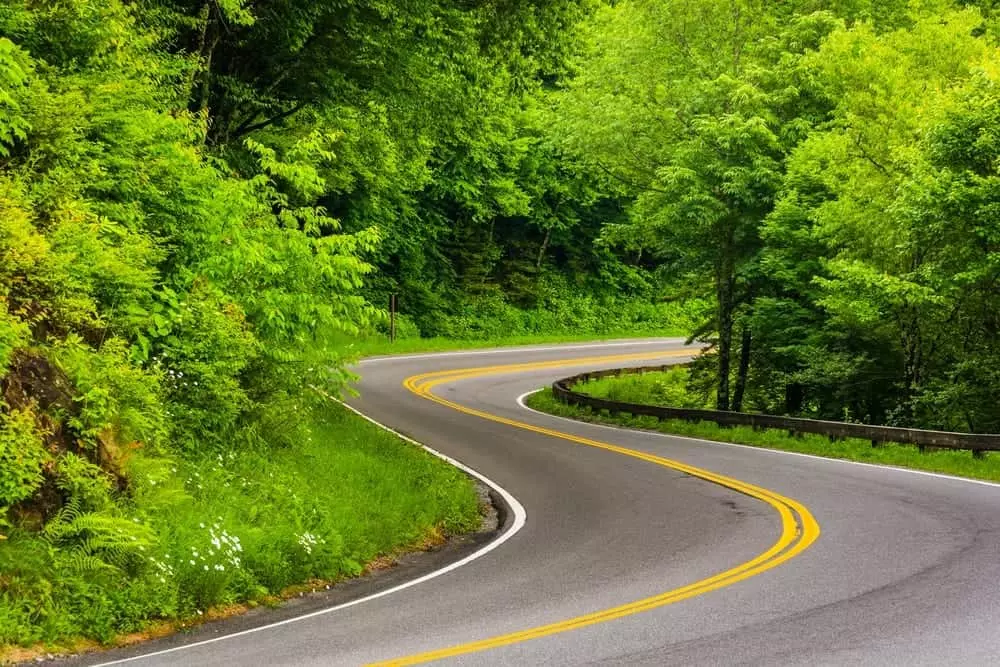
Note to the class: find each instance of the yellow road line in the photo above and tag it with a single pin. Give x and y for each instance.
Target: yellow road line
(411, 382)
(798, 527)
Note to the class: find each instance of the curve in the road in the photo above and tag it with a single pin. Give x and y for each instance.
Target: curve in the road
(799, 528)
(905, 573)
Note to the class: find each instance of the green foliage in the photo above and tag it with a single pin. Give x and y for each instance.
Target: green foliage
(14, 71)
(117, 401)
(87, 484)
(821, 172)
(491, 317)
(22, 456)
(13, 334)
(694, 119)
(672, 388)
(91, 541)
(864, 195)
(169, 284)
(224, 527)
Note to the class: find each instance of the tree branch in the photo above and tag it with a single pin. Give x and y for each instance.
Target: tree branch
(631, 184)
(867, 157)
(246, 128)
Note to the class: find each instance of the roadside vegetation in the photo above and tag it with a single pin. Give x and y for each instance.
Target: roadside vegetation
(573, 321)
(673, 389)
(197, 532)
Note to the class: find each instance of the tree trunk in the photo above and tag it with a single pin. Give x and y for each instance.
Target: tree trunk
(206, 75)
(200, 85)
(794, 398)
(912, 345)
(203, 19)
(724, 289)
(744, 369)
(541, 251)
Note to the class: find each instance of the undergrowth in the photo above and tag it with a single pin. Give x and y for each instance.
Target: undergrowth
(669, 387)
(224, 528)
(495, 323)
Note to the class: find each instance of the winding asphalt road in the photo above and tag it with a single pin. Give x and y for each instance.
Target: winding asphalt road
(629, 556)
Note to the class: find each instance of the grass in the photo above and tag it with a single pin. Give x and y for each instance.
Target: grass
(378, 345)
(237, 527)
(942, 461)
(654, 388)
(356, 487)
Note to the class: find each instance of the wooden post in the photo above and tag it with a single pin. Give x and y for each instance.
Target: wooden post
(392, 318)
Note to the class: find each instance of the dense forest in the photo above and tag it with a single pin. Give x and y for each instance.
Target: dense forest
(826, 173)
(204, 204)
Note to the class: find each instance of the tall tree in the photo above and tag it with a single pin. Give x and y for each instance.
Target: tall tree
(691, 108)
(877, 308)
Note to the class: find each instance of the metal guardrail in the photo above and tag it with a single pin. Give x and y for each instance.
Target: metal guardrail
(978, 444)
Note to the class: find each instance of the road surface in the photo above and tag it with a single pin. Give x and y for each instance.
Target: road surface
(642, 549)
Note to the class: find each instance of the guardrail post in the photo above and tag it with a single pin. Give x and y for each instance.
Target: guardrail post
(978, 454)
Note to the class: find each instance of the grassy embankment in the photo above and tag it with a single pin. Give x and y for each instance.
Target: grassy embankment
(233, 529)
(670, 389)
(378, 344)
(576, 319)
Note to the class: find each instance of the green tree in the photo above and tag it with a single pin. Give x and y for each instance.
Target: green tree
(874, 313)
(694, 118)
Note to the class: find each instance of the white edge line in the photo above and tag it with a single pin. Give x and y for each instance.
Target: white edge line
(878, 466)
(520, 517)
(508, 350)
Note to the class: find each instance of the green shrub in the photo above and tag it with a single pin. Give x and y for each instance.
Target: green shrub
(22, 456)
(86, 483)
(671, 388)
(119, 403)
(201, 343)
(97, 541)
(492, 317)
(13, 334)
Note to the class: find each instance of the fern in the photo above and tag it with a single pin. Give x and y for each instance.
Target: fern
(93, 541)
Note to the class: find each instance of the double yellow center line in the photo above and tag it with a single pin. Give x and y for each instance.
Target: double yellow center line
(798, 527)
